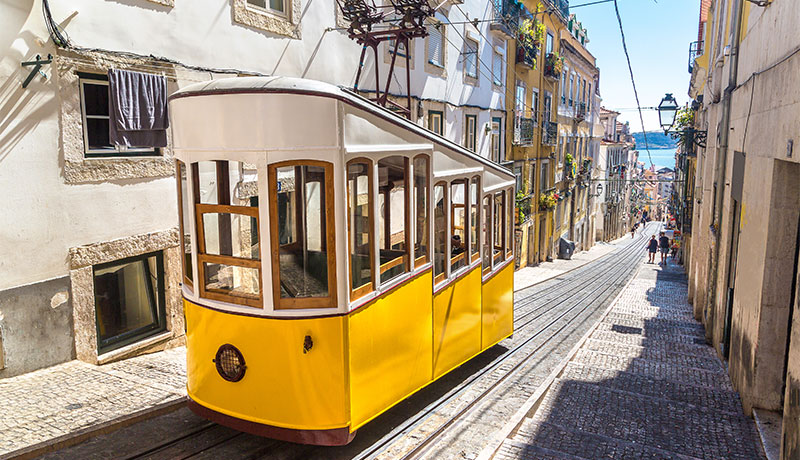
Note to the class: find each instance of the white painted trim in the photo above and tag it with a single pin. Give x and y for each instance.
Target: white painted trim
(389, 148)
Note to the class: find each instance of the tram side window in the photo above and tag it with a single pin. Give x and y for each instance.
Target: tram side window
(499, 225)
(458, 225)
(421, 206)
(226, 203)
(359, 199)
(392, 209)
(302, 235)
(487, 234)
(185, 210)
(474, 218)
(509, 224)
(439, 232)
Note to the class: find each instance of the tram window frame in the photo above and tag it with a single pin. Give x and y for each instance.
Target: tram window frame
(419, 247)
(187, 265)
(406, 259)
(223, 206)
(458, 261)
(499, 228)
(439, 276)
(487, 208)
(474, 218)
(509, 223)
(298, 303)
(360, 291)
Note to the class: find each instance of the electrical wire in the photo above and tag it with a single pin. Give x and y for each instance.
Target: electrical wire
(633, 82)
(57, 34)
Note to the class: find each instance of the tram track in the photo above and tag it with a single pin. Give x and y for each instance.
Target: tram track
(628, 254)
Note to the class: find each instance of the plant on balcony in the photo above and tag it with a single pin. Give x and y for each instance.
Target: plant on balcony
(553, 65)
(529, 38)
(523, 206)
(569, 166)
(683, 121)
(547, 201)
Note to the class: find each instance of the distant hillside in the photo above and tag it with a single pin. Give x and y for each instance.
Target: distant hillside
(655, 140)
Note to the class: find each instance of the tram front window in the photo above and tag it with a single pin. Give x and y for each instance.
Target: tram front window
(301, 225)
(392, 197)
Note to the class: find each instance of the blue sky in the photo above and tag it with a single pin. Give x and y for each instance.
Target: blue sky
(658, 37)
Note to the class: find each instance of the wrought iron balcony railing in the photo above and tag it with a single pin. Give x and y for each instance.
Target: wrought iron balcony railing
(526, 55)
(523, 128)
(580, 111)
(549, 133)
(695, 50)
(505, 17)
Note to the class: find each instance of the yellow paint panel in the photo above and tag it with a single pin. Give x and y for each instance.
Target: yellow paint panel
(390, 349)
(282, 386)
(457, 323)
(498, 307)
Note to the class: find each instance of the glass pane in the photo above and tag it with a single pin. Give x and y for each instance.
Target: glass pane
(392, 217)
(458, 222)
(360, 241)
(126, 297)
(474, 241)
(276, 5)
(487, 234)
(302, 231)
(260, 3)
(207, 177)
(439, 231)
(186, 214)
(95, 99)
(509, 223)
(233, 280)
(421, 203)
(227, 182)
(497, 250)
(231, 235)
(97, 134)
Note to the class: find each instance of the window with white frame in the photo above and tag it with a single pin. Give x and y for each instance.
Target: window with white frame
(272, 6)
(549, 43)
(436, 44)
(564, 85)
(96, 119)
(401, 48)
(497, 68)
(470, 58)
(571, 87)
(470, 127)
(435, 121)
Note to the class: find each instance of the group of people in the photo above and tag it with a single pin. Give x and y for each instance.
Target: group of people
(662, 244)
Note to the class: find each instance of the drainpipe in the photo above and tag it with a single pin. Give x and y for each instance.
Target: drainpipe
(722, 153)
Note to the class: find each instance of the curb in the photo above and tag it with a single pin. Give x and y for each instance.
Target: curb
(535, 400)
(83, 434)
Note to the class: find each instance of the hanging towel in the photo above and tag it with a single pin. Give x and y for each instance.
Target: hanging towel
(137, 108)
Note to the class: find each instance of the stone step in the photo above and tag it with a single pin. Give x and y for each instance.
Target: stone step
(723, 400)
(699, 432)
(709, 363)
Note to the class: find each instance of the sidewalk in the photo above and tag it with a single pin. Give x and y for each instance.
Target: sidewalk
(528, 276)
(643, 385)
(43, 409)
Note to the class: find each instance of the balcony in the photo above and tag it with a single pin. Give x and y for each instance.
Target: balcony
(695, 50)
(549, 133)
(523, 128)
(505, 17)
(526, 56)
(553, 65)
(580, 111)
(562, 6)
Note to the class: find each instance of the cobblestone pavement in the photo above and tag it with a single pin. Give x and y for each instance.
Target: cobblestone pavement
(644, 385)
(47, 404)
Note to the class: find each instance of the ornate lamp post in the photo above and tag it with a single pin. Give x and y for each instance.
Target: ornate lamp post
(667, 112)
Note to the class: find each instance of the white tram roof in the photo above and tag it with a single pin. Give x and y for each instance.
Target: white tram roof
(199, 120)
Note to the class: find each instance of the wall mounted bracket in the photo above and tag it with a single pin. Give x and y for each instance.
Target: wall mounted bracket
(38, 63)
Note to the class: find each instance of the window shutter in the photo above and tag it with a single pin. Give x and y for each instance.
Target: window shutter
(435, 47)
(498, 69)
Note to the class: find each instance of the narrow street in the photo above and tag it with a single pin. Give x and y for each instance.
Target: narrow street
(451, 419)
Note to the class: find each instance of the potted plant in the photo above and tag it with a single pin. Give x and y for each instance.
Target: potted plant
(554, 65)
(547, 201)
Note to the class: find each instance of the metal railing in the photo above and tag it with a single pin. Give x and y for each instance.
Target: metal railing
(549, 133)
(695, 50)
(580, 110)
(526, 55)
(505, 17)
(523, 128)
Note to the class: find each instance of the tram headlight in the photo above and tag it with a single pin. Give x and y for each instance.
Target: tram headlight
(230, 363)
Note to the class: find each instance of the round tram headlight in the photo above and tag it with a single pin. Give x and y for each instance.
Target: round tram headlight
(230, 363)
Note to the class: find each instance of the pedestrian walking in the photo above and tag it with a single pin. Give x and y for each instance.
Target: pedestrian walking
(652, 247)
(663, 245)
(633, 231)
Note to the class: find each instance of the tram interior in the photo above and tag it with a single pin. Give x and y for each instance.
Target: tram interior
(392, 217)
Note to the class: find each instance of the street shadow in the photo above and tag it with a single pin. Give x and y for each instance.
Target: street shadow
(644, 385)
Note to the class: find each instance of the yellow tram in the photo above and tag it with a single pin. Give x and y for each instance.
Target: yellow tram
(337, 257)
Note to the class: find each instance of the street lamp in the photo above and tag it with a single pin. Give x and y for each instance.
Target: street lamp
(667, 110)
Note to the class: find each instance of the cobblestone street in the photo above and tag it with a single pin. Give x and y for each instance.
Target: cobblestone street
(644, 385)
(61, 401)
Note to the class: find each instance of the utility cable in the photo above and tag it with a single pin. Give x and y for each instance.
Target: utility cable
(633, 82)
